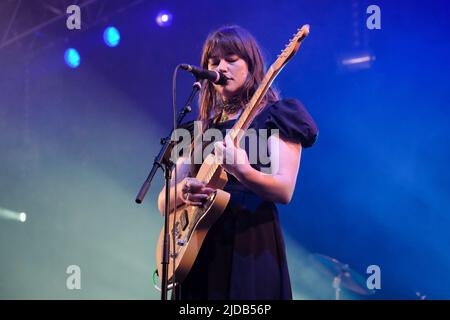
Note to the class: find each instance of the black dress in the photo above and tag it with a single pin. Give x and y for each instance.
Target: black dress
(243, 255)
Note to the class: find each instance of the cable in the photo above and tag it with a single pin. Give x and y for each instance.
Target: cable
(174, 108)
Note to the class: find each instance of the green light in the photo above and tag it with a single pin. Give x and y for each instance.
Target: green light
(12, 215)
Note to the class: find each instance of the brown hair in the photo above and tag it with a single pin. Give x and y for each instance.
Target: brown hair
(237, 40)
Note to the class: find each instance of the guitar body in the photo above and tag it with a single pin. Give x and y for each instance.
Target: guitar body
(192, 224)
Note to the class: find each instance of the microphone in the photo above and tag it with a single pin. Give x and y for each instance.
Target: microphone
(213, 76)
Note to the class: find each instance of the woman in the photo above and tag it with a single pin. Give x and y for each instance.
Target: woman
(243, 255)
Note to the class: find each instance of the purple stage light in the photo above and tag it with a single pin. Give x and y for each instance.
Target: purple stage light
(164, 18)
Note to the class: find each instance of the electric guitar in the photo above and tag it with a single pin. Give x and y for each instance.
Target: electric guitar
(192, 223)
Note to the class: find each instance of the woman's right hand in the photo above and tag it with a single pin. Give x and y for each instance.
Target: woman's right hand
(194, 191)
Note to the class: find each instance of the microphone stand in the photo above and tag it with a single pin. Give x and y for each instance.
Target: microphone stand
(163, 161)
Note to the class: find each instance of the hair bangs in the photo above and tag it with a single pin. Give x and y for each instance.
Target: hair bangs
(222, 43)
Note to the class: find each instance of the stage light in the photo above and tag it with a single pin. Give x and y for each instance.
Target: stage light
(164, 18)
(356, 61)
(111, 36)
(13, 215)
(72, 57)
(22, 217)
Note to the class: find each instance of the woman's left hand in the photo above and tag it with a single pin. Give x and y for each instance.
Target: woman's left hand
(231, 157)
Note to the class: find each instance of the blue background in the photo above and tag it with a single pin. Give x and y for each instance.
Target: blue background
(76, 145)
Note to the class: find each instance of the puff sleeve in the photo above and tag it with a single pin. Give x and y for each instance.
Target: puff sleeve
(293, 121)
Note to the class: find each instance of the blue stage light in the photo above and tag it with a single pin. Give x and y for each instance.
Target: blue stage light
(111, 36)
(72, 57)
(164, 18)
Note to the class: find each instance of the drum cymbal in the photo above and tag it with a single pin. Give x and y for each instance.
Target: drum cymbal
(349, 278)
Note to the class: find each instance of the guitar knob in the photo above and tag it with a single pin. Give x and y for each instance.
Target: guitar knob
(181, 242)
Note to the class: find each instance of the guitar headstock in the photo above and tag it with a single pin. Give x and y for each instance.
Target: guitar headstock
(291, 48)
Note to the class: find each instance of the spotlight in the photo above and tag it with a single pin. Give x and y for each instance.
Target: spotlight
(111, 36)
(72, 57)
(22, 217)
(13, 215)
(356, 61)
(164, 18)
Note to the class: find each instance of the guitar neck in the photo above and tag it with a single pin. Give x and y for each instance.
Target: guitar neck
(252, 108)
(244, 121)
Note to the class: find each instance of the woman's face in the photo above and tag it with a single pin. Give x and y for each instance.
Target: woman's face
(234, 68)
